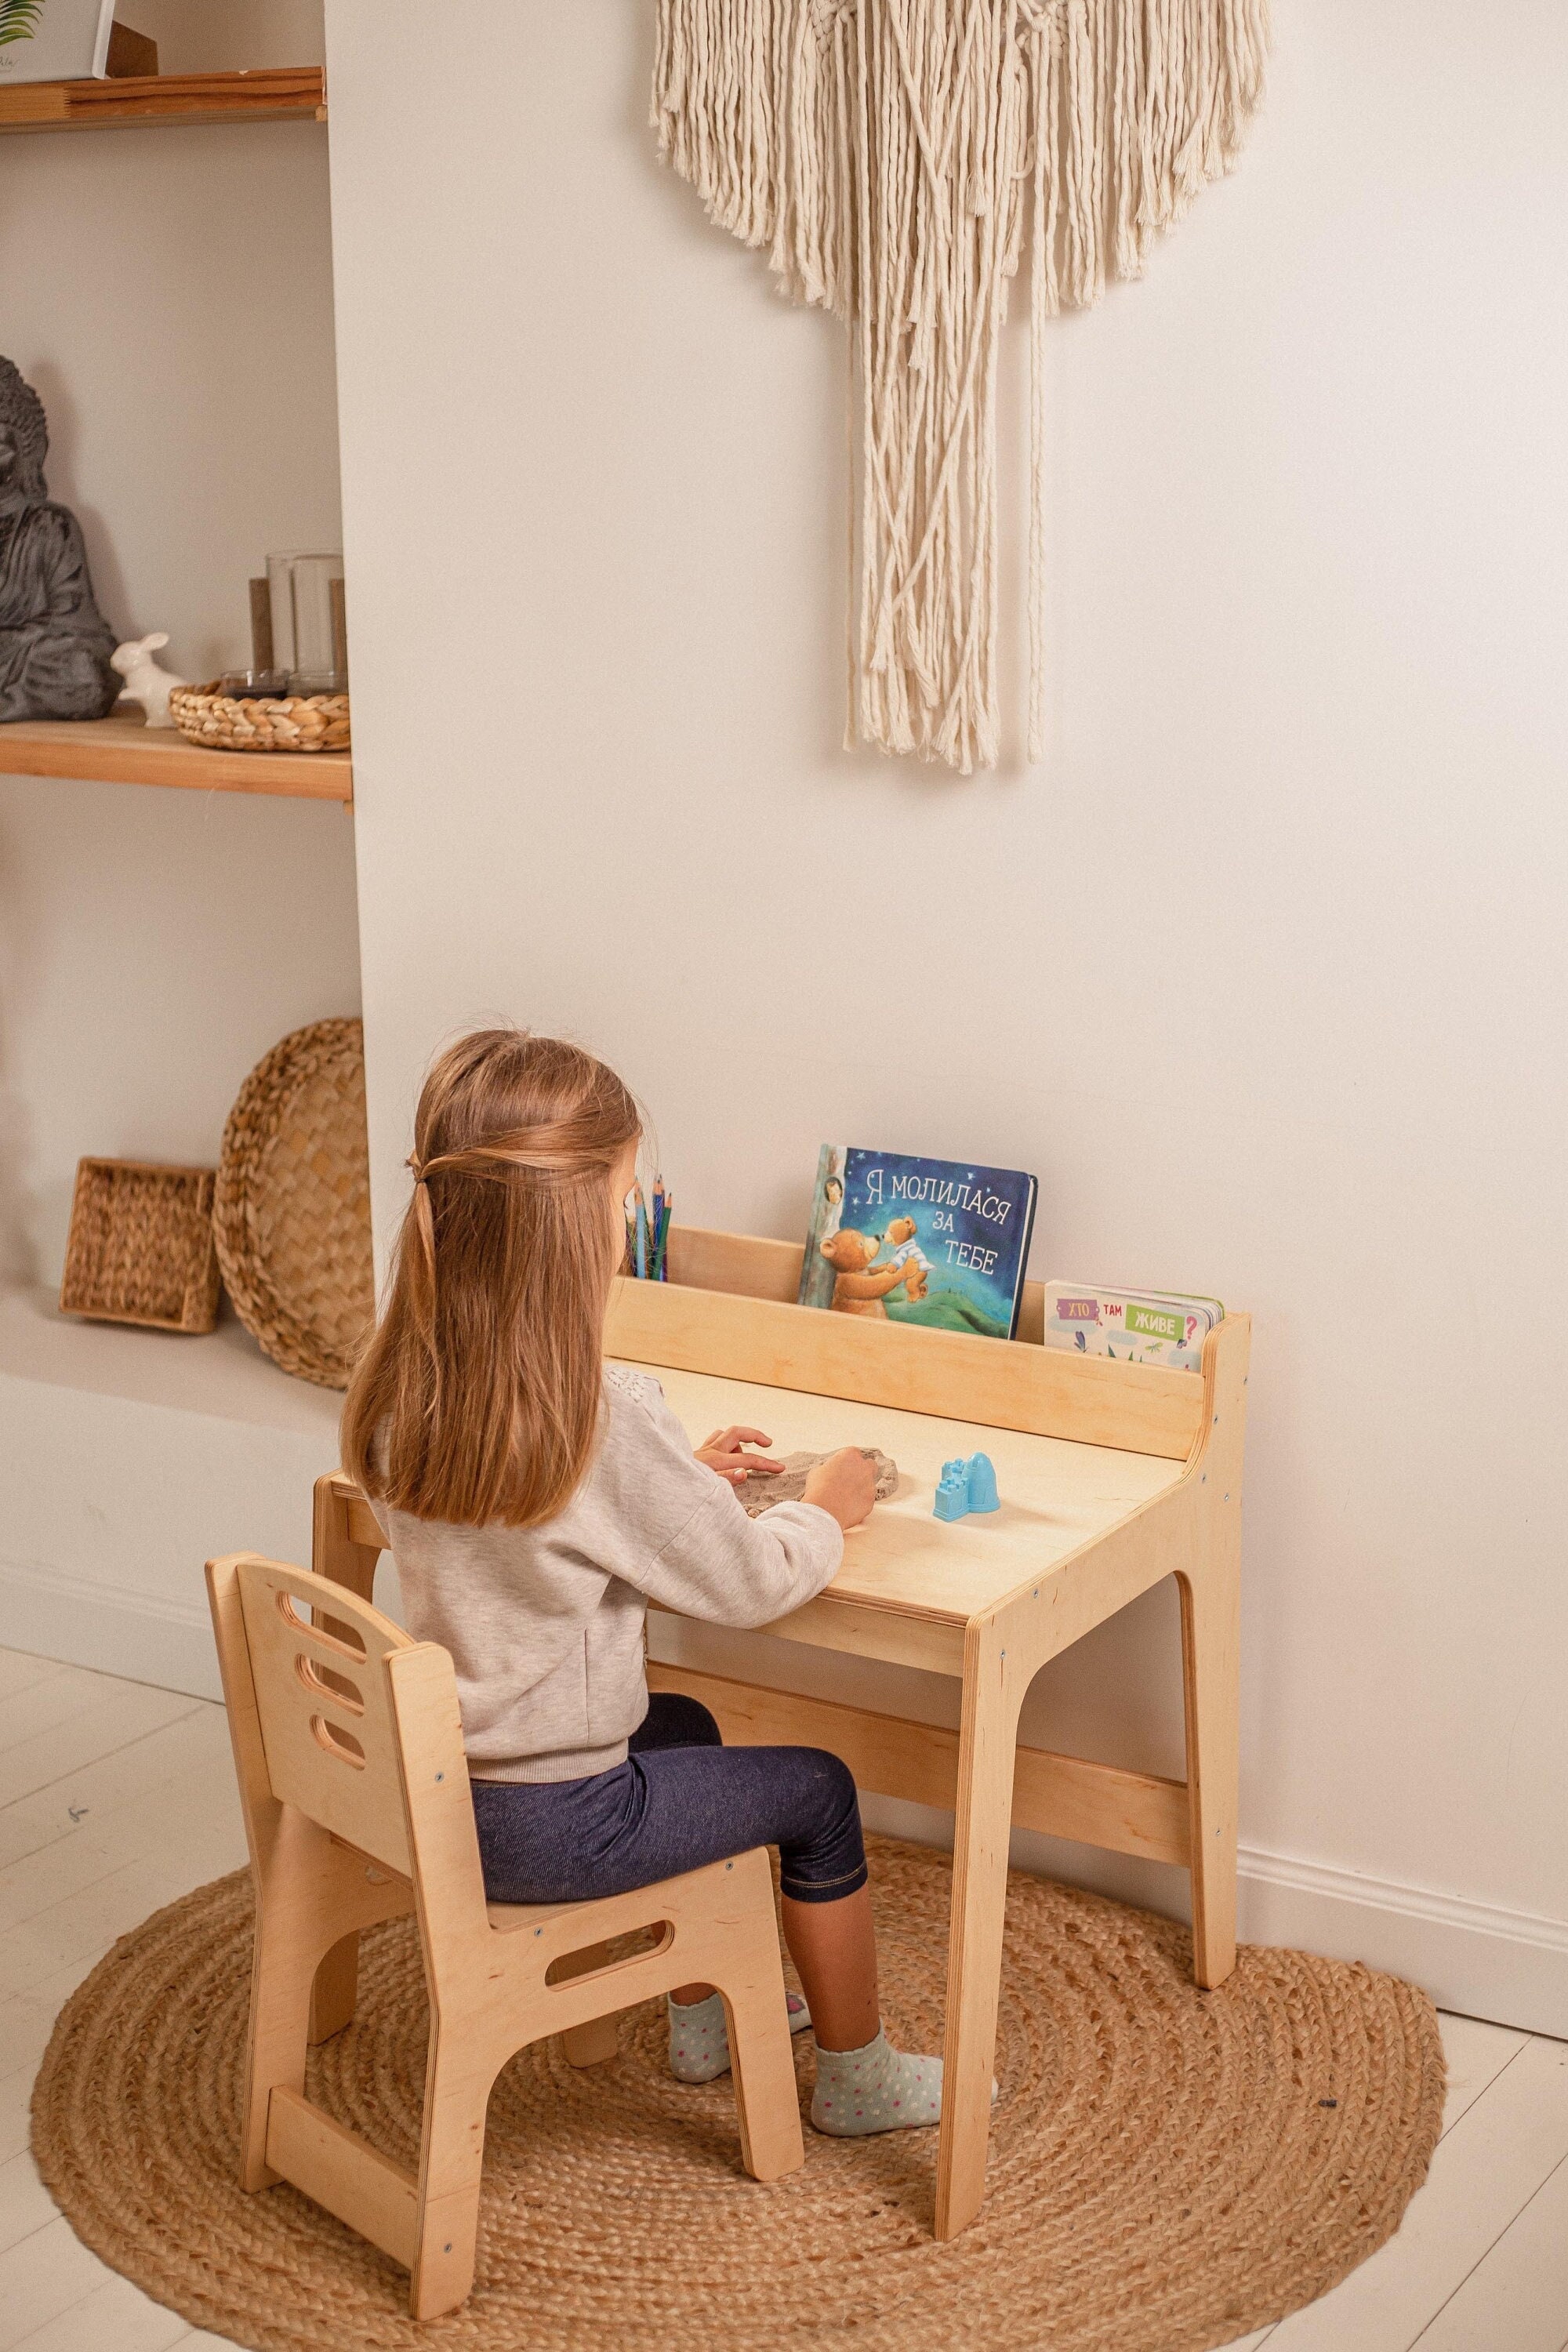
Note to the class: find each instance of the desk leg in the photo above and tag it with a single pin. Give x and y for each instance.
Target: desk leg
(1211, 1654)
(987, 1751)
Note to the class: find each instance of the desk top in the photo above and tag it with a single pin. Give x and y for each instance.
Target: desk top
(1056, 1495)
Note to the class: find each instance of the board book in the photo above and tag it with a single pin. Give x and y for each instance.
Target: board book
(67, 40)
(1140, 1326)
(936, 1242)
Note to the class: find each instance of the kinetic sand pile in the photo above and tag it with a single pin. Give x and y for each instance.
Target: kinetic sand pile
(789, 1485)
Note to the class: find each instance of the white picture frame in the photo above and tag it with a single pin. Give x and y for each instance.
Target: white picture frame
(54, 40)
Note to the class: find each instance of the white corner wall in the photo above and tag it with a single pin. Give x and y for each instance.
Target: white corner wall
(1262, 970)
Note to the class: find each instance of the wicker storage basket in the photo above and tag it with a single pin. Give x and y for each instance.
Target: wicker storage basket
(295, 722)
(141, 1246)
(292, 1207)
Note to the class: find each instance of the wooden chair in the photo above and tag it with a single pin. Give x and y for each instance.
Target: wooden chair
(348, 1745)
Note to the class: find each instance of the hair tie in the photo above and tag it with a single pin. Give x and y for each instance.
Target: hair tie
(412, 1162)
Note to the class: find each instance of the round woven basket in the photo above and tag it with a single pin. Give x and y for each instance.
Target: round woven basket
(1169, 2168)
(291, 1209)
(295, 722)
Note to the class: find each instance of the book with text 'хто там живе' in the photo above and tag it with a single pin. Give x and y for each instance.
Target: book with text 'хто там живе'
(1141, 1327)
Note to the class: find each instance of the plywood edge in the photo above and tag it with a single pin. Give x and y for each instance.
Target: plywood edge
(998, 1383)
(362, 1526)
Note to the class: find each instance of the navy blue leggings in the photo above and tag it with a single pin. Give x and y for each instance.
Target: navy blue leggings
(682, 1799)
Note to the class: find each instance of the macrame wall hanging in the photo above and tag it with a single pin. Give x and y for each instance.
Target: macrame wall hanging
(890, 155)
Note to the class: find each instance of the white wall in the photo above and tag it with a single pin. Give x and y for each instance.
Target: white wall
(127, 1459)
(169, 293)
(153, 945)
(1262, 970)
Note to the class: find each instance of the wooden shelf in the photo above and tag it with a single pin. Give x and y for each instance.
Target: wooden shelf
(275, 94)
(122, 751)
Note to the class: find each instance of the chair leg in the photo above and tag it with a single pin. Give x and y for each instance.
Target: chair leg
(451, 2159)
(762, 2053)
(306, 1890)
(594, 2044)
(597, 2042)
(761, 2066)
(1211, 1650)
(280, 1980)
(336, 1990)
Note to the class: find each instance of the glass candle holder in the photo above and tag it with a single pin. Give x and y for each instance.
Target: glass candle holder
(309, 639)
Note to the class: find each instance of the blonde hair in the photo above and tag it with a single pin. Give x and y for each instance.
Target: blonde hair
(477, 1397)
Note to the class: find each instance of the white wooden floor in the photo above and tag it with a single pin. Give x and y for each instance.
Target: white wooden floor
(115, 1798)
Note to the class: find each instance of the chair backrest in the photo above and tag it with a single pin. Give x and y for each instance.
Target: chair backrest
(322, 1696)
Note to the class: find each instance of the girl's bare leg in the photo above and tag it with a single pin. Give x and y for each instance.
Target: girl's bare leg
(834, 1946)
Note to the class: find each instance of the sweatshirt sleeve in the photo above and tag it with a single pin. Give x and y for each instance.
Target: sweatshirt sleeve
(733, 1570)
(701, 1554)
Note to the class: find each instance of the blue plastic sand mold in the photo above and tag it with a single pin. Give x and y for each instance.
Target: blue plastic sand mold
(967, 1487)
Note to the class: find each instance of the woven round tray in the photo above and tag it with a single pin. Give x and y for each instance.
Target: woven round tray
(295, 722)
(1169, 2168)
(291, 1212)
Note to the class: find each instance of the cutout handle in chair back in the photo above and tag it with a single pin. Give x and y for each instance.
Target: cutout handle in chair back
(327, 1726)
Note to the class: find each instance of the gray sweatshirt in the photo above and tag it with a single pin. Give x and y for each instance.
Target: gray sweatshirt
(545, 1623)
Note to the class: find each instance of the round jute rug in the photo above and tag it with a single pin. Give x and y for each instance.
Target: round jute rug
(1169, 2168)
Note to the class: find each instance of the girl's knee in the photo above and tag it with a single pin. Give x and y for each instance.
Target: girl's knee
(826, 1860)
(833, 1783)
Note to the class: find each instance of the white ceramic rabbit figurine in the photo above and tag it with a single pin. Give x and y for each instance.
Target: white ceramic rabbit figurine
(144, 682)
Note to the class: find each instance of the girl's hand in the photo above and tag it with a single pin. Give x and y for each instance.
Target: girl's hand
(845, 1484)
(722, 1453)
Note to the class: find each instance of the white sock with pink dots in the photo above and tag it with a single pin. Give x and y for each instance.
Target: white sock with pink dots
(876, 2089)
(700, 2039)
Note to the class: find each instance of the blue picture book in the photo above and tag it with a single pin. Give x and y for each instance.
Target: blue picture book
(918, 1241)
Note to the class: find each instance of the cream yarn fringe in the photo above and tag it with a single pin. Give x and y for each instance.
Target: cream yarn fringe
(882, 152)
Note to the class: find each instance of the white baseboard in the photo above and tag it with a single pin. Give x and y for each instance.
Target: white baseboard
(144, 1636)
(1476, 1957)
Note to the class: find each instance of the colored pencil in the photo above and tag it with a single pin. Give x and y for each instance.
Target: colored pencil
(648, 1231)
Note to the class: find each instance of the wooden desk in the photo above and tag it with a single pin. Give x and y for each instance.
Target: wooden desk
(1111, 1476)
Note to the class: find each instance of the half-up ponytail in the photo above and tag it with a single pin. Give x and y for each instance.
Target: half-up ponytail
(477, 1397)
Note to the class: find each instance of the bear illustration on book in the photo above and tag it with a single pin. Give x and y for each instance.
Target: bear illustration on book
(856, 1290)
(911, 1240)
(902, 1237)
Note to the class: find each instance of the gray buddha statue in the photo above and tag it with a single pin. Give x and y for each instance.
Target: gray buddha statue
(55, 644)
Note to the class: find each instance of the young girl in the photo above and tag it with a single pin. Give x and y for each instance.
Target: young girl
(536, 1501)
